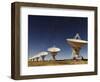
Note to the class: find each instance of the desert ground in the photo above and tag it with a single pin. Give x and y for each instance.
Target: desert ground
(57, 62)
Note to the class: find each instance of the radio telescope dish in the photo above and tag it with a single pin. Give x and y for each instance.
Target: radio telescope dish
(54, 50)
(76, 43)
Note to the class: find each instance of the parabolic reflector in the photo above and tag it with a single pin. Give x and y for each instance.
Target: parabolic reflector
(53, 49)
(43, 53)
(76, 42)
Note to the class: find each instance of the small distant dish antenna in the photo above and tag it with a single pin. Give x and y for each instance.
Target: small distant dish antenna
(41, 54)
(54, 50)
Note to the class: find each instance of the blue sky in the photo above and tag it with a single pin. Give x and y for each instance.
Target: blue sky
(48, 31)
